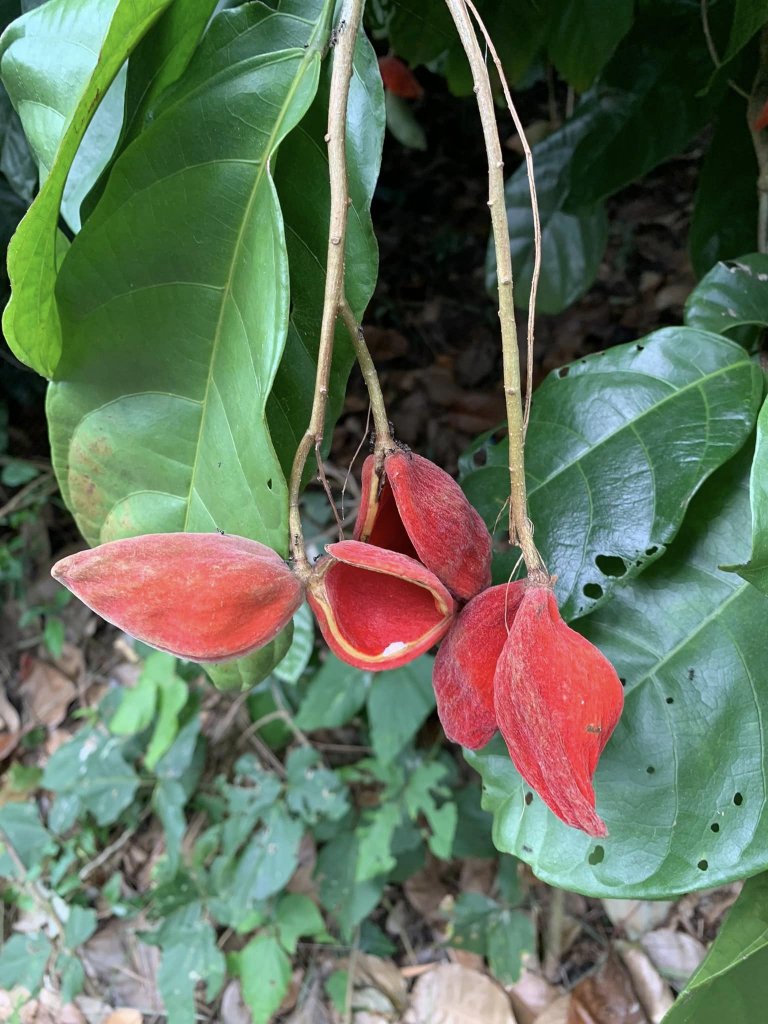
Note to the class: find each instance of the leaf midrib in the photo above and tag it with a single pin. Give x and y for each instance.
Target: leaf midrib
(630, 424)
(227, 288)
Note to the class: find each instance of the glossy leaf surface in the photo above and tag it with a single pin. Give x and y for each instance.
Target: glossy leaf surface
(572, 243)
(651, 100)
(732, 294)
(618, 443)
(93, 40)
(725, 205)
(175, 443)
(682, 783)
(755, 571)
(732, 983)
(301, 178)
(585, 35)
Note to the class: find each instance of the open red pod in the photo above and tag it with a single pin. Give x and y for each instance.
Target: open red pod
(377, 608)
(419, 510)
(557, 701)
(202, 596)
(465, 665)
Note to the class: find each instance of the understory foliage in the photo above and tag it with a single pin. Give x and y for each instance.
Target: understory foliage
(167, 280)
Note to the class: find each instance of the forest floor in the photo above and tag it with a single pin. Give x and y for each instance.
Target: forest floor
(432, 329)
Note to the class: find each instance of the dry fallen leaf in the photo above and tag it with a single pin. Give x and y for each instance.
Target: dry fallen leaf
(125, 1016)
(46, 692)
(233, 1010)
(451, 994)
(675, 954)
(637, 917)
(606, 997)
(530, 996)
(557, 1012)
(654, 993)
(122, 968)
(382, 975)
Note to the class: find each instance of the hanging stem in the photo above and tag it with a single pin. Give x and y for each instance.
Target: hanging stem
(757, 101)
(346, 35)
(378, 409)
(520, 530)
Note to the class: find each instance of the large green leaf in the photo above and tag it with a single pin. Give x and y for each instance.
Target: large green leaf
(651, 101)
(732, 983)
(56, 102)
(301, 177)
(174, 307)
(584, 36)
(724, 219)
(734, 293)
(682, 782)
(748, 17)
(617, 445)
(755, 571)
(572, 243)
(174, 302)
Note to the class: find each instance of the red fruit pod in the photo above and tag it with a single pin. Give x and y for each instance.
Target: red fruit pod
(466, 664)
(419, 510)
(399, 79)
(557, 701)
(202, 596)
(377, 609)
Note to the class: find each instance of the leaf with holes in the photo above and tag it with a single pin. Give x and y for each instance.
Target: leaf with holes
(618, 444)
(733, 294)
(93, 40)
(682, 783)
(732, 983)
(572, 243)
(174, 309)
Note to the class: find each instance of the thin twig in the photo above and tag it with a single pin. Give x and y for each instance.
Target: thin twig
(352, 969)
(534, 210)
(708, 34)
(346, 36)
(520, 531)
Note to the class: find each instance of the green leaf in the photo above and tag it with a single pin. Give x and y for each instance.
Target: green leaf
(20, 825)
(402, 123)
(420, 30)
(572, 243)
(335, 695)
(136, 710)
(72, 975)
(748, 17)
(509, 937)
(247, 803)
(732, 983)
(473, 826)
(79, 926)
(302, 170)
(91, 771)
(291, 667)
(724, 219)
(189, 954)
(651, 102)
(168, 800)
(683, 812)
(93, 40)
(187, 220)
(618, 443)
(585, 34)
(172, 697)
(245, 673)
(265, 973)
(423, 782)
(340, 893)
(314, 792)
(755, 571)
(269, 859)
(398, 704)
(374, 854)
(297, 915)
(23, 959)
(469, 921)
(732, 294)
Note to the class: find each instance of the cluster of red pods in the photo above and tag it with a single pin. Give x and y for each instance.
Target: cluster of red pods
(417, 572)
